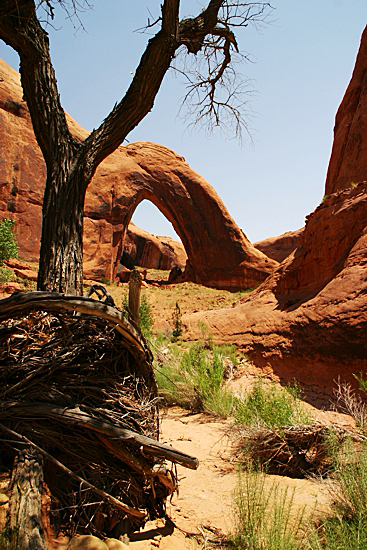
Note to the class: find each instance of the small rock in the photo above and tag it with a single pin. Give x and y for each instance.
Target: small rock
(87, 542)
(16, 263)
(11, 287)
(26, 274)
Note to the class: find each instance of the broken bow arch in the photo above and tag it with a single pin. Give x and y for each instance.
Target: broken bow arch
(218, 252)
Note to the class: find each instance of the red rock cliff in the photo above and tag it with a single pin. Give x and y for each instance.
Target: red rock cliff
(348, 162)
(308, 320)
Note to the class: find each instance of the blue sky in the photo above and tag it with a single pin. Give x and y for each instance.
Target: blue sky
(301, 65)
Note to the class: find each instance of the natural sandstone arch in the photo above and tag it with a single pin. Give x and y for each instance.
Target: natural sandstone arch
(219, 253)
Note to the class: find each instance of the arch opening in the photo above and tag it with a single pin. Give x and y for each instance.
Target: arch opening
(151, 240)
(150, 219)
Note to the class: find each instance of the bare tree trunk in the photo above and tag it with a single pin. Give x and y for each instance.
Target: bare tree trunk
(61, 253)
(26, 501)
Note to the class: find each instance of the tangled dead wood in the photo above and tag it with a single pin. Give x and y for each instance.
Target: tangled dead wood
(294, 451)
(78, 385)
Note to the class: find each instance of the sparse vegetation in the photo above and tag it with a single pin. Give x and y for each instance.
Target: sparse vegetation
(271, 407)
(8, 245)
(266, 516)
(195, 377)
(352, 403)
(5, 275)
(347, 528)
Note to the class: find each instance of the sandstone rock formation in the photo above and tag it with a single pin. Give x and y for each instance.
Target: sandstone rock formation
(153, 252)
(348, 162)
(308, 320)
(218, 253)
(279, 248)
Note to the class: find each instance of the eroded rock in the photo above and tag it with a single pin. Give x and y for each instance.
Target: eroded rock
(279, 248)
(348, 162)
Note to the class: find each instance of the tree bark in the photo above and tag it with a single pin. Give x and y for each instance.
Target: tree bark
(61, 253)
(26, 501)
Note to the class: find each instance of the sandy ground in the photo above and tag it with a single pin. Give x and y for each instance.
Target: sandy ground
(202, 514)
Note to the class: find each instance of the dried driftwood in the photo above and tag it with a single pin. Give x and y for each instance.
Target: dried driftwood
(79, 386)
(120, 435)
(294, 451)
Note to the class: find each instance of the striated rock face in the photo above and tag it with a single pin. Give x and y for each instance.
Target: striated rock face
(153, 252)
(279, 248)
(308, 320)
(348, 162)
(218, 253)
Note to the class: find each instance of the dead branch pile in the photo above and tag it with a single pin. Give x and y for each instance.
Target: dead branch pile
(81, 390)
(294, 451)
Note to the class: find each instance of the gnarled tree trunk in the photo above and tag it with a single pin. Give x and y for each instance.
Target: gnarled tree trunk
(26, 526)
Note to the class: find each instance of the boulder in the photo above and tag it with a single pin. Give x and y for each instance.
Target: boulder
(26, 274)
(219, 254)
(348, 161)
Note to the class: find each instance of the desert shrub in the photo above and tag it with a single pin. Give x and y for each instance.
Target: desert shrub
(8, 245)
(351, 403)
(266, 519)
(195, 378)
(268, 406)
(5, 275)
(347, 528)
(146, 319)
(177, 323)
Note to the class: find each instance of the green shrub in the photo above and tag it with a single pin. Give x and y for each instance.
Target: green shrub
(271, 407)
(177, 323)
(8, 245)
(347, 528)
(266, 519)
(146, 319)
(195, 378)
(5, 275)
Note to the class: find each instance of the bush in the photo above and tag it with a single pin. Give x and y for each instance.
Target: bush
(8, 245)
(195, 378)
(347, 529)
(5, 275)
(267, 406)
(266, 519)
(146, 319)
